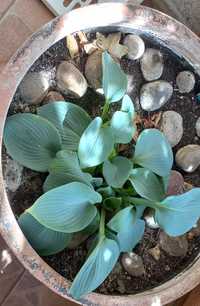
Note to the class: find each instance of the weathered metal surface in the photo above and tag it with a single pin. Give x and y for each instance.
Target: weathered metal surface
(186, 11)
(115, 17)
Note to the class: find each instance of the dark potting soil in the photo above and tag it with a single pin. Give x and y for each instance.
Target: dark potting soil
(68, 262)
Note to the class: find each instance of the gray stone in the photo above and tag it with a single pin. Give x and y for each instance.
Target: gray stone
(174, 246)
(152, 64)
(133, 264)
(70, 80)
(93, 69)
(149, 218)
(176, 183)
(155, 94)
(13, 174)
(121, 286)
(136, 46)
(185, 81)
(198, 127)
(188, 158)
(172, 127)
(34, 87)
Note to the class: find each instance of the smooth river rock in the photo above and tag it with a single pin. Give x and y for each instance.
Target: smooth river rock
(149, 218)
(172, 127)
(93, 69)
(188, 158)
(152, 64)
(174, 246)
(34, 87)
(185, 81)
(136, 46)
(155, 94)
(133, 264)
(13, 174)
(198, 127)
(70, 80)
(176, 184)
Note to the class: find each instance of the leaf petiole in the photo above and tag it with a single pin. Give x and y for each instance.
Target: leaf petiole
(102, 224)
(140, 201)
(105, 111)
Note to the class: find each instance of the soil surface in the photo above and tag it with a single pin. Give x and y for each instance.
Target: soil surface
(68, 262)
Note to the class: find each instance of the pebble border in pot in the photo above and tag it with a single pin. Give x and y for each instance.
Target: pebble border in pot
(125, 19)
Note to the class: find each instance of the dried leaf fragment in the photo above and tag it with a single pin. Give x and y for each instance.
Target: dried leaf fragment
(72, 46)
(111, 44)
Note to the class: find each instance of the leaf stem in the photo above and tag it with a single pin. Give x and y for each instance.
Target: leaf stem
(148, 203)
(102, 223)
(105, 111)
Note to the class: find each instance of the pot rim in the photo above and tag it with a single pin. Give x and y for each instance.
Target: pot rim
(126, 18)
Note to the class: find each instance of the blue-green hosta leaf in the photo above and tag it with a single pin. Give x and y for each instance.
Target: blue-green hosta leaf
(128, 227)
(178, 214)
(96, 268)
(69, 208)
(147, 184)
(31, 140)
(96, 144)
(70, 119)
(153, 151)
(140, 211)
(93, 226)
(165, 181)
(117, 171)
(45, 241)
(122, 122)
(106, 192)
(114, 79)
(97, 182)
(112, 203)
(64, 169)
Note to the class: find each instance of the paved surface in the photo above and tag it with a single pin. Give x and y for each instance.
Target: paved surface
(18, 19)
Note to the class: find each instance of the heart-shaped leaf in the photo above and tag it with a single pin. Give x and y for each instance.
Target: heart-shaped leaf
(45, 241)
(140, 211)
(153, 151)
(147, 184)
(117, 171)
(96, 268)
(65, 169)
(31, 140)
(97, 182)
(70, 119)
(106, 192)
(96, 144)
(112, 203)
(178, 214)
(114, 79)
(122, 122)
(69, 208)
(128, 227)
(93, 226)
(165, 181)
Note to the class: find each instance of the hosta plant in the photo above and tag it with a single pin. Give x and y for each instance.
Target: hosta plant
(90, 187)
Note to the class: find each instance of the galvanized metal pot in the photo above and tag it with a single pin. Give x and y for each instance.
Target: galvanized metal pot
(104, 17)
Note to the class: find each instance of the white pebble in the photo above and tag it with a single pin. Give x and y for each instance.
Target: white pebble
(185, 81)
(136, 46)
